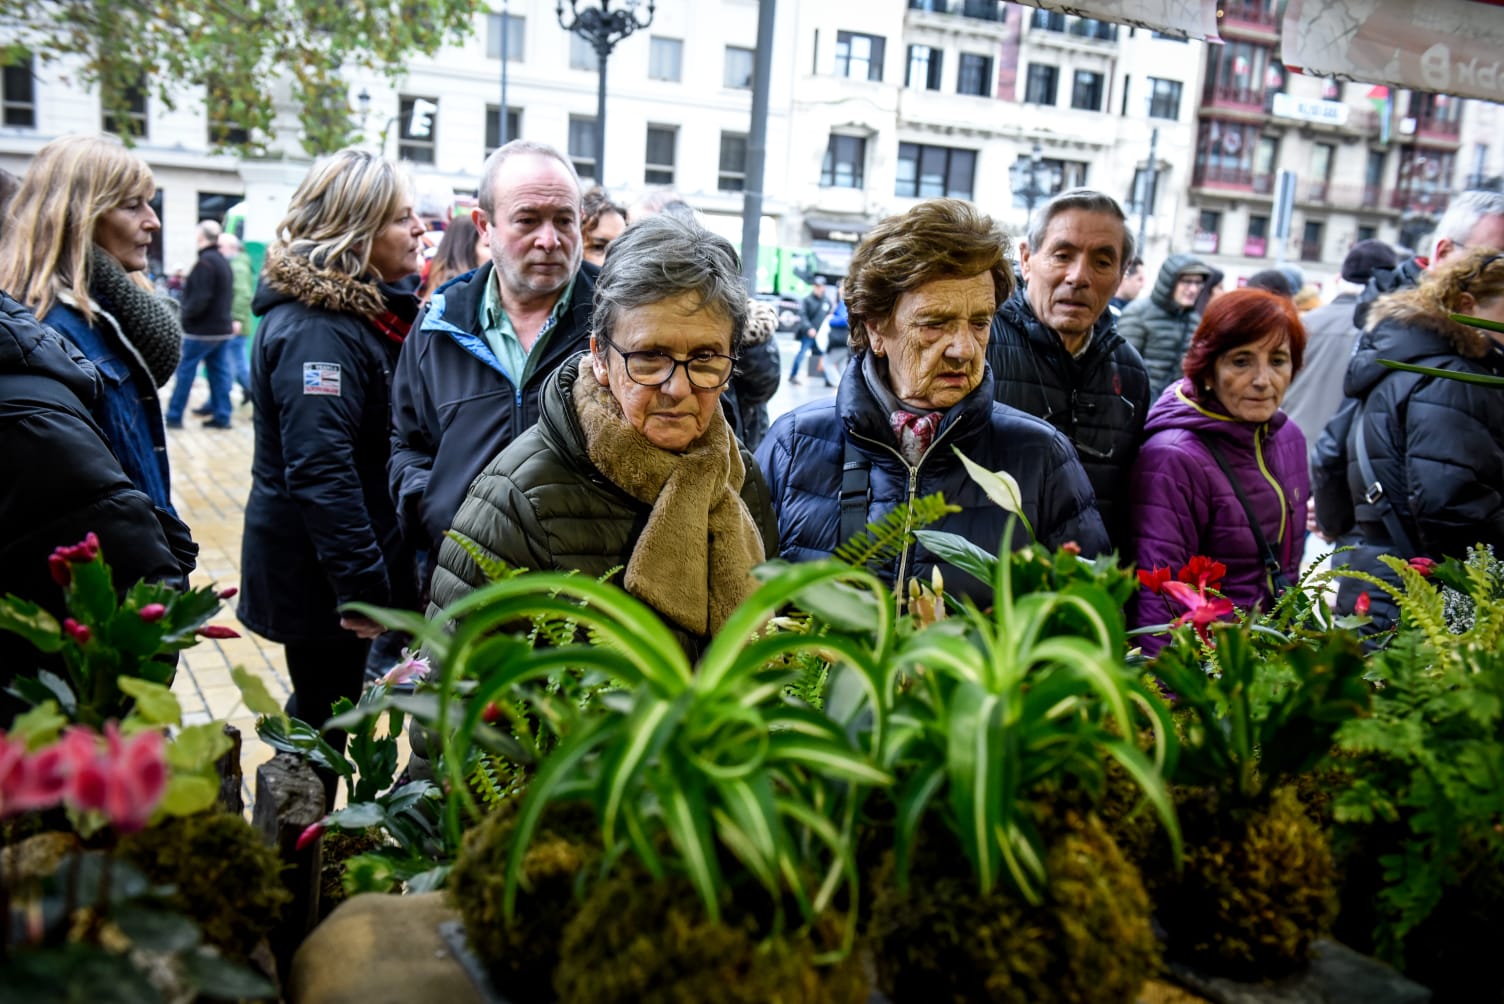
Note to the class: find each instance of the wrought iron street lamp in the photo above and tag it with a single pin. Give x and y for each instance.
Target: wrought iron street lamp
(1024, 176)
(603, 28)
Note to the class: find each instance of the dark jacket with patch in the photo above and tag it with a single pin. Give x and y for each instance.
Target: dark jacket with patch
(803, 456)
(1436, 445)
(454, 408)
(320, 527)
(1158, 327)
(63, 482)
(1099, 401)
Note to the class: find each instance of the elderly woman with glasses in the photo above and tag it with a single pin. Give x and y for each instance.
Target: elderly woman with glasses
(632, 463)
(1428, 479)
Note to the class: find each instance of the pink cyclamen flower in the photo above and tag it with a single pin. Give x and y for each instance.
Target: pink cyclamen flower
(152, 612)
(124, 781)
(217, 631)
(1424, 566)
(1201, 611)
(310, 834)
(412, 667)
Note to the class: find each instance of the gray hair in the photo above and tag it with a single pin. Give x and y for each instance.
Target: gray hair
(209, 230)
(661, 258)
(1087, 200)
(1464, 213)
(486, 196)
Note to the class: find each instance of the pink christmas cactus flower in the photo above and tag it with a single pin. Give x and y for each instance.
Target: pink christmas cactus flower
(413, 667)
(1201, 610)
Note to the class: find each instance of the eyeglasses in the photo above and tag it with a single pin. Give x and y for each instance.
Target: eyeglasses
(1477, 273)
(706, 370)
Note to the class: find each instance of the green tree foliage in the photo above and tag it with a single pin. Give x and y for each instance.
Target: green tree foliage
(237, 49)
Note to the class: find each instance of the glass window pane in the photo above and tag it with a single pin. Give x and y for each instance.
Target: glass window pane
(739, 67)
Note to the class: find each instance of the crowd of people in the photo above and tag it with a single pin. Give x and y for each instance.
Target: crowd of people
(565, 383)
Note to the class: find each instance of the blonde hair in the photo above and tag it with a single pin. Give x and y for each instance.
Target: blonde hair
(1479, 272)
(340, 207)
(71, 183)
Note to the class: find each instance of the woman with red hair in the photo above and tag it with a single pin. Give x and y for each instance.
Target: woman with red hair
(1222, 472)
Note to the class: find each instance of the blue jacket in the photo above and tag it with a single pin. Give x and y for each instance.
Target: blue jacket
(128, 411)
(453, 406)
(803, 455)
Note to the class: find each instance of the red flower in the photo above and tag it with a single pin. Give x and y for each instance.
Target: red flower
(152, 612)
(1423, 566)
(217, 631)
(57, 565)
(124, 781)
(225, 594)
(490, 712)
(1155, 580)
(1201, 611)
(1361, 604)
(310, 834)
(1071, 547)
(1203, 573)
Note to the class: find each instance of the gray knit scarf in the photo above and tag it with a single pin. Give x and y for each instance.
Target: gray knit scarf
(149, 323)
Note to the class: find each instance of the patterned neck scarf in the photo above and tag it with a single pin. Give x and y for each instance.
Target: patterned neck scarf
(914, 432)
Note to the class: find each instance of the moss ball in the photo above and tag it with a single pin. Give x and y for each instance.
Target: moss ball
(639, 941)
(1090, 940)
(1257, 886)
(226, 879)
(522, 954)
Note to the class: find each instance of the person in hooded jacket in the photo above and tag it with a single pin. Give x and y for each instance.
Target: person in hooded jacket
(47, 393)
(1435, 445)
(1160, 325)
(336, 300)
(1215, 433)
(921, 295)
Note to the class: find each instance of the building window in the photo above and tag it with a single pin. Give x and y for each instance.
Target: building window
(417, 122)
(1238, 73)
(975, 76)
(1143, 195)
(493, 126)
(1322, 156)
(582, 54)
(514, 34)
(1086, 93)
(1310, 240)
(1224, 153)
(859, 56)
(223, 129)
(1256, 244)
(1373, 178)
(1164, 98)
(216, 205)
(1265, 162)
(924, 67)
(733, 171)
(1367, 233)
(1331, 90)
(665, 59)
(1048, 20)
(1040, 89)
(18, 95)
(739, 66)
(133, 122)
(660, 155)
(845, 158)
(1208, 232)
(1049, 177)
(582, 146)
(931, 172)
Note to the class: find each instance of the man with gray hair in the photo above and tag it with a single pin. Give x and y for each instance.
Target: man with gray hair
(1054, 350)
(1474, 219)
(208, 295)
(468, 379)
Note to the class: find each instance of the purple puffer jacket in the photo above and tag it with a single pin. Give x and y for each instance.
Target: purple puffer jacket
(1183, 505)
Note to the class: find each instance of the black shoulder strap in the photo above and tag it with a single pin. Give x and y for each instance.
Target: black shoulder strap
(1272, 564)
(1373, 489)
(856, 474)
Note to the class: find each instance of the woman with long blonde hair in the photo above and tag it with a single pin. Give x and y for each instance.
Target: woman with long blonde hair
(74, 252)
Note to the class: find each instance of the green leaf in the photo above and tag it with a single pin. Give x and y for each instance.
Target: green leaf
(253, 691)
(156, 705)
(189, 794)
(156, 930)
(91, 593)
(39, 726)
(956, 550)
(198, 747)
(1464, 376)
(360, 816)
(31, 622)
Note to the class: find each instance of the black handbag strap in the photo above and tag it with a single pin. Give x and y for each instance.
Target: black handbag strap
(1373, 490)
(1272, 566)
(856, 475)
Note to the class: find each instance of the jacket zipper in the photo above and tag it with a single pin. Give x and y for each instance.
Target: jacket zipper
(1284, 503)
(913, 490)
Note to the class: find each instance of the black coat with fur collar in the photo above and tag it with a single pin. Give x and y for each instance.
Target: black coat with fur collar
(320, 527)
(1437, 445)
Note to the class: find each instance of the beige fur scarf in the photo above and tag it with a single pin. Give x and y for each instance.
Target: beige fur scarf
(695, 497)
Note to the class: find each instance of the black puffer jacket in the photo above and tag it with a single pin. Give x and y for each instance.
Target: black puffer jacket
(1436, 445)
(1383, 281)
(542, 505)
(320, 528)
(453, 407)
(1158, 328)
(64, 482)
(1098, 401)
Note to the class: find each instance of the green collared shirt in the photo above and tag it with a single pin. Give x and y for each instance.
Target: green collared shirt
(497, 328)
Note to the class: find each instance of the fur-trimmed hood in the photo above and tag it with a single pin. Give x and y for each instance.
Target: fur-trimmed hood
(1401, 330)
(1466, 340)
(287, 276)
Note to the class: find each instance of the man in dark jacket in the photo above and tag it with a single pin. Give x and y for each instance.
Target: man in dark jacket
(468, 378)
(813, 310)
(1055, 353)
(46, 391)
(208, 328)
(1160, 325)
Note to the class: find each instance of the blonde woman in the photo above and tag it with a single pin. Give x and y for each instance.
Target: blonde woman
(75, 252)
(320, 529)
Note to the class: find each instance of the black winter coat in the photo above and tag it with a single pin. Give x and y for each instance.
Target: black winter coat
(542, 505)
(320, 528)
(63, 482)
(1436, 445)
(1405, 275)
(1160, 329)
(208, 295)
(804, 453)
(454, 410)
(1099, 401)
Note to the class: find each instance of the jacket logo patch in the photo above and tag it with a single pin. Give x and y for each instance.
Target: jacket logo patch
(321, 378)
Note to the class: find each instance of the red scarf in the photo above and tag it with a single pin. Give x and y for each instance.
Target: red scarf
(391, 326)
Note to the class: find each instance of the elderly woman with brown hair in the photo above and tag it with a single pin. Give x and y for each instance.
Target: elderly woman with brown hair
(920, 296)
(632, 462)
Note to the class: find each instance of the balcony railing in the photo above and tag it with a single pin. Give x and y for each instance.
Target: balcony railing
(1426, 203)
(1223, 177)
(1246, 97)
(1263, 184)
(1310, 250)
(1265, 15)
(1439, 128)
(983, 10)
(1314, 191)
(1255, 247)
